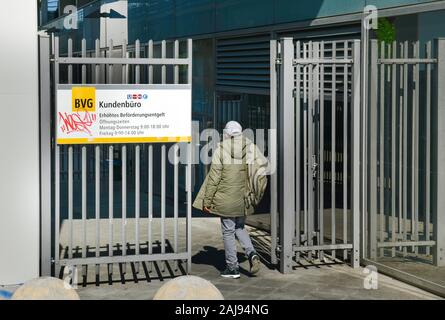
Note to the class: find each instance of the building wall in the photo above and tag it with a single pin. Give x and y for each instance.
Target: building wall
(156, 19)
(19, 141)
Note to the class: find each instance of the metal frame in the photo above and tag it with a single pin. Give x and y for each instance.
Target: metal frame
(286, 198)
(439, 226)
(273, 153)
(45, 155)
(299, 72)
(102, 74)
(123, 61)
(128, 86)
(356, 150)
(373, 150)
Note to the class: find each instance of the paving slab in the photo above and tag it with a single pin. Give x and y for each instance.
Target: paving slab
(338, 281)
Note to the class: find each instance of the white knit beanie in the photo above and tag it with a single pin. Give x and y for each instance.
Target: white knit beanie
(233, 129)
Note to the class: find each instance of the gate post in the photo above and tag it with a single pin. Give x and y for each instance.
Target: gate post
(355, 150)
(45, 155)
(190, 167)
(287, 155)
(372, 155)
(273, 152)
(439, 223)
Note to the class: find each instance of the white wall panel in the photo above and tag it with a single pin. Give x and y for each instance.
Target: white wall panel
(19, 142)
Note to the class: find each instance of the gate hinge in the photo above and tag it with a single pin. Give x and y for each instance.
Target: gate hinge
(278, 61)
(278, 249)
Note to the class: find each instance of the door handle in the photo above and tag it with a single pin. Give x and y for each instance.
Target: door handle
(314, 166)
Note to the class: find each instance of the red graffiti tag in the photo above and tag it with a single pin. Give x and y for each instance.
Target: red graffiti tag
(76, 122)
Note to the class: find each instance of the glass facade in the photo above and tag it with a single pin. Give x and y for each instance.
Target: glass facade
(250, 110)
(50, 10)
(168, 19)
(203, 95)
(98, 19)
(87, 28)
(182, 18)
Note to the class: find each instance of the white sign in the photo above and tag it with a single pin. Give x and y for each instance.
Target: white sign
(115, 114)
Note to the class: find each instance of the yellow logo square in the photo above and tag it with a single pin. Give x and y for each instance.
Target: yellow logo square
(83, 99)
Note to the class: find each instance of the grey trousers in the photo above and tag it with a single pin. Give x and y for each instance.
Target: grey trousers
(230, 228)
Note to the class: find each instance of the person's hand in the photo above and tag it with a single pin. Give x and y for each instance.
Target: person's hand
(206, 209)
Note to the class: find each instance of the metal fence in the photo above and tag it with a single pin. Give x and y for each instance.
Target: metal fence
(119, 204)
(403, 216)
(112, 203)
(317, 98)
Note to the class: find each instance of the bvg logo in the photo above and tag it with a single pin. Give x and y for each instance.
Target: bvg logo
(83, 99)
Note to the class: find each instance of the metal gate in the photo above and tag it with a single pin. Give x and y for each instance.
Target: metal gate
(110, 204)
(316, 94)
